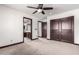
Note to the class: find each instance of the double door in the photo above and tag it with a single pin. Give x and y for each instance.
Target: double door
(62, 29)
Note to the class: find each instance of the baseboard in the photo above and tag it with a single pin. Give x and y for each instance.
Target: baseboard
(12, 44)
(48, 39)
(40, 36)
(35, 39)
(76, 44)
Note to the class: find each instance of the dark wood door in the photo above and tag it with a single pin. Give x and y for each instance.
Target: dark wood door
(44, 29)
(54, 29)
(67, 30)
(62, 29)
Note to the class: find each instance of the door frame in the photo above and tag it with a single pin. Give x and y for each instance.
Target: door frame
(38, 28)
(23, 26)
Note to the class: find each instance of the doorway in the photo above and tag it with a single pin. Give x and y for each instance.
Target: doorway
(62, 29)
(27, 28)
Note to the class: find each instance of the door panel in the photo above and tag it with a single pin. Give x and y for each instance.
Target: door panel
(44, 29)
(54, 29)
(67, 30)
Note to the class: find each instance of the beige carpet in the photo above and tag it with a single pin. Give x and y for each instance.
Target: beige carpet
(41, 47)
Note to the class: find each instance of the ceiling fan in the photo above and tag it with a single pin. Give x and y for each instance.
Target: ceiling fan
(40, 8)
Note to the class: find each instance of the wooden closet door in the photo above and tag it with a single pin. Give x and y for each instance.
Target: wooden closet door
(44, 29)
(67, 30)
(54, 29)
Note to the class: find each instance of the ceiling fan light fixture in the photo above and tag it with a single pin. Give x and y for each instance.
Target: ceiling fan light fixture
(39, 10)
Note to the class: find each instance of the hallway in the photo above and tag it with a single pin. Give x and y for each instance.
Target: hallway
(41, 47)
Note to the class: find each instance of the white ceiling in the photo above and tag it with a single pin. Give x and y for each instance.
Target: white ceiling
(58, 8)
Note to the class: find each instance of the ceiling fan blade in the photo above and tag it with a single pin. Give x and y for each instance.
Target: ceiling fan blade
(43, 12)
(34, 12)
(32, 7)
(47, 8)
(40, 6)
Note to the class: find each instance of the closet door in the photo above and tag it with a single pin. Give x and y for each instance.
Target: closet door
(67, 30)
(44, 29)
(54, 29)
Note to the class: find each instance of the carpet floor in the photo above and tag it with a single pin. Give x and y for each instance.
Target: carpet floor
(41, 46)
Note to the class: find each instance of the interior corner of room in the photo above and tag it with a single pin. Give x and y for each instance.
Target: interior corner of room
(17, 22)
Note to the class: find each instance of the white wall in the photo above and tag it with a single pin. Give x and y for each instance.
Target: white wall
(34, 29)
(74, 13)
(11, 25)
